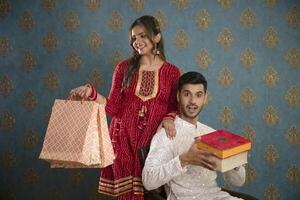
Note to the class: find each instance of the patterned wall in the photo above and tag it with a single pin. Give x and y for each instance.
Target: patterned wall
(249, 51)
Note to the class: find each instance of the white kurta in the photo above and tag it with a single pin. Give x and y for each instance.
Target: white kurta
(163, 166)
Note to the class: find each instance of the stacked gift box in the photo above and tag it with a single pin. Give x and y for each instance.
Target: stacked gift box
(230, 150)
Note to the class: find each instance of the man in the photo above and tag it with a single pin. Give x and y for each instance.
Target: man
(187, 172)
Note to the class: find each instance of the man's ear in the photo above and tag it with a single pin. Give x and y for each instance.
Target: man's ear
(157, 38)
(206, 98)
(177, 95)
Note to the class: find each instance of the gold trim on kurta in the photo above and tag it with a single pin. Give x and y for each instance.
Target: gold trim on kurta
(141, 80)
(121, 186)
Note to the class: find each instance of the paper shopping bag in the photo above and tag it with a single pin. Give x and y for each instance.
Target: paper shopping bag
(77, 136)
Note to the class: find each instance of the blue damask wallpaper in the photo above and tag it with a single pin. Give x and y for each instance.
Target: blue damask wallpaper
(249, 50)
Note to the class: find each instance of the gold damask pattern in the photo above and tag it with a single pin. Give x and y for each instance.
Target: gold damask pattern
(181, 4)
(137, 5)
(29, 101)
(8, 121)
(293, 57)
(271, 3)
(5, 46)
(95, 78)
(203, 59)
(94, 41)
(293, 136)
(270, 116)
(271, 37)
(161, 18)
(50, 42)
(8, 160)
(293, 96)
(28, 61)
(115, 21)
(225, 4)
(248, 97)
(26, 22)
(248, 18)
(248, 58)
(76, 177)
(226, 116)
(225, 77)
(71, 21)
(48, 5)
(271, 155)
(51, 81)
(293, 175)
(31, 177)
(6, 86)
(115, 58)
(203, 19)
(181, 39)
(4, 8)
(30, 139)
(270, 77)
(225, 38)
(249, 133)
(93, 5)
(293, 17)
(250, 174)
(271, 193)
(73, 61)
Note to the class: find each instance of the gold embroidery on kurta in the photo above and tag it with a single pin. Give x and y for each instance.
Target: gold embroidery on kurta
(147, 85)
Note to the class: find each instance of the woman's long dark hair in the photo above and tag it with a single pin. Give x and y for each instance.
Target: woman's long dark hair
(152, 28)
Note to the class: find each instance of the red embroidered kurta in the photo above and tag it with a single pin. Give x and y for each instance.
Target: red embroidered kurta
(136, 114)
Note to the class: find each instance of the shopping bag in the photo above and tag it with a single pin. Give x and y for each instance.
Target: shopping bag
(77, 136)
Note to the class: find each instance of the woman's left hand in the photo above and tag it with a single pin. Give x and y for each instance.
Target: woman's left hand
(169, 126)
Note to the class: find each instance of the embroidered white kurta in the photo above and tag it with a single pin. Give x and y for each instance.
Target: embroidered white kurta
(163, 166)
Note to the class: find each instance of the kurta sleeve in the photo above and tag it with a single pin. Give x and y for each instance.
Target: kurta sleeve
(173, 104)
(114, 100)
(160, 166)
(235, 177)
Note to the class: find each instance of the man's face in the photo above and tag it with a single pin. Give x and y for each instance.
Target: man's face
(191, 100)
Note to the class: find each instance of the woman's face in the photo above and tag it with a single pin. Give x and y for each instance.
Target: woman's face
(141, 42)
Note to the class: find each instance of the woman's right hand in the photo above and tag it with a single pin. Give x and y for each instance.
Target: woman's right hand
(83, 92)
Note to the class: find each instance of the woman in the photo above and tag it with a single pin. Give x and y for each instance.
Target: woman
(142, 96)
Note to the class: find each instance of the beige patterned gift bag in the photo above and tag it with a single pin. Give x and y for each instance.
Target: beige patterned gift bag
(77, 136)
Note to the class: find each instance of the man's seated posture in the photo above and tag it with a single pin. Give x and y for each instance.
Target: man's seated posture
(187, 172)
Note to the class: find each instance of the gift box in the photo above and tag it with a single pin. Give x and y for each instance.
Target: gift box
(77, 136)
(223, 143)
(230, 149)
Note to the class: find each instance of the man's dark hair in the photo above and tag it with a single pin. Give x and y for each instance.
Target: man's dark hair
(192, 78)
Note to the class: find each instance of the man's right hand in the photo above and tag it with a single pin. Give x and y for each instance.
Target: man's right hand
(195, 156)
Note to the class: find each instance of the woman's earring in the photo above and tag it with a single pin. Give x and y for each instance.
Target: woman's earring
(155, 50)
